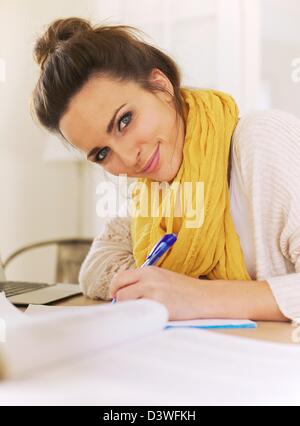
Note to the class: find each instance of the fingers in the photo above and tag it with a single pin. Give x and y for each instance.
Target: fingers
(130, 292)
(123, 279)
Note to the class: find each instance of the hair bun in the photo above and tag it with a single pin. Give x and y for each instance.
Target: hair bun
(58, 31)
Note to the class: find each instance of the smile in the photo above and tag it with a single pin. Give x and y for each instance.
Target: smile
(152, 164)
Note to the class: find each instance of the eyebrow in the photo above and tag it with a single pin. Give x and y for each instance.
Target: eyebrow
(109, 129)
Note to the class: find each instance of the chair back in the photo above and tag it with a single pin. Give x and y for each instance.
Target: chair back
(71, 252)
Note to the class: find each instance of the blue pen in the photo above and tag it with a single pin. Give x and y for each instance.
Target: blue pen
(158, 250)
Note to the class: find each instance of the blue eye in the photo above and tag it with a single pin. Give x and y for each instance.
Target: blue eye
(102, 153)
(127, 118)
(99, 156)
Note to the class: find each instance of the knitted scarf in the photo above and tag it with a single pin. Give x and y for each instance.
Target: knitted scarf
(212, 247)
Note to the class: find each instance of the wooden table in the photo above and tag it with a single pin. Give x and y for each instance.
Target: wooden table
(281, 332)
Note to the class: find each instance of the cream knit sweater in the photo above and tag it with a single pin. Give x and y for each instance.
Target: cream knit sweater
(266, 152)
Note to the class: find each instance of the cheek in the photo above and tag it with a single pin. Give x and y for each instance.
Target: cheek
(108, 169)
(114, 167)
(148, 128)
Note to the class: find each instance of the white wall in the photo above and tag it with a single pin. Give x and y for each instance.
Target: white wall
(280, 46)
(39, 200)
(216, 43)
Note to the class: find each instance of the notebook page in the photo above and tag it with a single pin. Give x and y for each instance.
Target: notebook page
(177, 367)
(34, 310)
(212, 323)
(9, 313)
(38, 310)
(68, 334)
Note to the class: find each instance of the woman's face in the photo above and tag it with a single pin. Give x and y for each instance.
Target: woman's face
(121, 126)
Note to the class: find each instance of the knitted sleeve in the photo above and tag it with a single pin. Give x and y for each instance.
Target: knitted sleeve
(268, 149)
(110, 253)
(286, 288)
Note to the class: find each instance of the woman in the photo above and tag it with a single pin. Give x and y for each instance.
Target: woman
(119, 100)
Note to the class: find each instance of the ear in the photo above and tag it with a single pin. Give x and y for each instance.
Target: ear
(159, 78)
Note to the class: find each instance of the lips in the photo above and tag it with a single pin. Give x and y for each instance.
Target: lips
(152, 163)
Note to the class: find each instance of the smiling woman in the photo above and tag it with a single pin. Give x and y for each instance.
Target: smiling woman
(121, 125)
(120, 101)
(110, 95)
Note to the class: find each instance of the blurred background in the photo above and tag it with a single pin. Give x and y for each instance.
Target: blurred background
(249, 48)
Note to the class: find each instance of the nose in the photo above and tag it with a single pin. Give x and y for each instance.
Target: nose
(129, 154)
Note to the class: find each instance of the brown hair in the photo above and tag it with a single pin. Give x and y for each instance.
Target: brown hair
(71, 51)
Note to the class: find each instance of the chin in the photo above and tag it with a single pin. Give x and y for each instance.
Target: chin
(166, 177)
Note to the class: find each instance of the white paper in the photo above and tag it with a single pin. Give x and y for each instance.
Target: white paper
(172, 367)
(62, 335)
(37, 310)
(166, 367)
(212, 323)
(9, 313)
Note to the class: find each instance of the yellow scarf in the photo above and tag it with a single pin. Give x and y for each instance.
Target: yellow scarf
(213, 248)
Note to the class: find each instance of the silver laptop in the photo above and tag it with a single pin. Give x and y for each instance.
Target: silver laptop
(25, 293)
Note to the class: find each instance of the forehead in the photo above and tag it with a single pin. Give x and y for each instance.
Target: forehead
(91, 109)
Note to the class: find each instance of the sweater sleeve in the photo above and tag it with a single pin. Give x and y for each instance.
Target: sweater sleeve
(286, 288)
(269, 156)
(110, 253)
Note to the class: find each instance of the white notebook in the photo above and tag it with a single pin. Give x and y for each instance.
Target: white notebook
(122, 355)
(51, 334)
(33, 341)
(195, 323)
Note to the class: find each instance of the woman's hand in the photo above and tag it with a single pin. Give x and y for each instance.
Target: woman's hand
(182, 295)
(188, 298)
